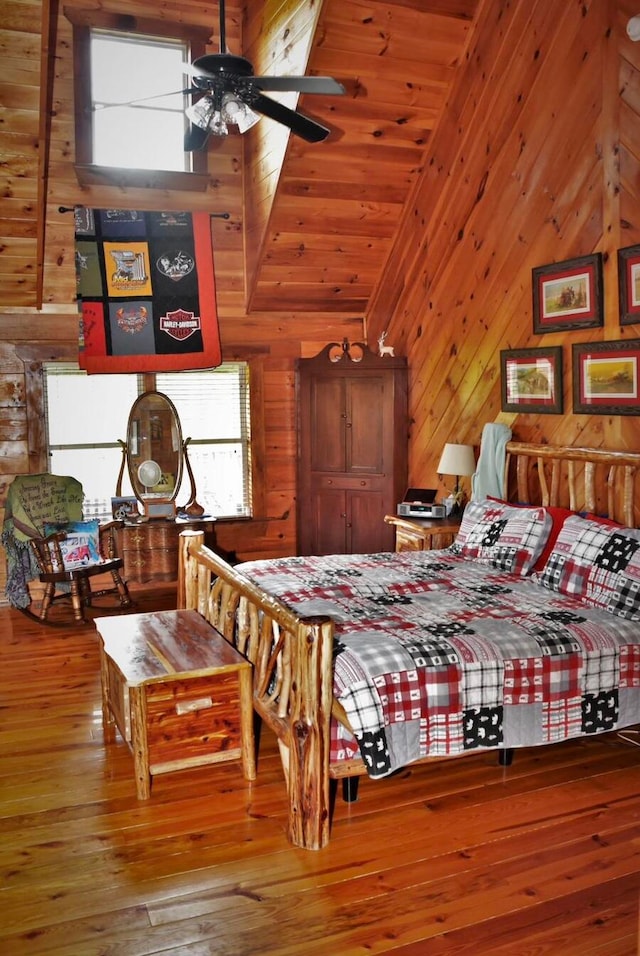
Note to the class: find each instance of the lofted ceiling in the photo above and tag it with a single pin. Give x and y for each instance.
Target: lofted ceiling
(338, 204)
(319, 220)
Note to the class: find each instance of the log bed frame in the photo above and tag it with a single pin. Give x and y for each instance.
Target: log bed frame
(292, 656)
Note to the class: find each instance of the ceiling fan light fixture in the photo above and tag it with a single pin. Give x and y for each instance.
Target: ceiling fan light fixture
(218, 125)
(201, 113)
(238, 113)
(233, 96)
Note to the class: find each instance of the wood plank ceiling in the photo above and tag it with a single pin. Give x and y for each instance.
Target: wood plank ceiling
(339, 203)
(333, 208)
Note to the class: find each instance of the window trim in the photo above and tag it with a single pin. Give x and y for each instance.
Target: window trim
(89, 173)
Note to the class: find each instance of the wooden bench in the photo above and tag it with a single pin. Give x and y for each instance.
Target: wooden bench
(178, 692)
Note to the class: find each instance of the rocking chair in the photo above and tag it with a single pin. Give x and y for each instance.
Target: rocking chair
(46, 539)
(68, 571)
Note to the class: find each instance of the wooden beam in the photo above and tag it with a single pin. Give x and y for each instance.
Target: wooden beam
(47, 50)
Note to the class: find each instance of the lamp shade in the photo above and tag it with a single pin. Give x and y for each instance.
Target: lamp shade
(201, 113)
(633, 28)
(238, 113)
(457, 460)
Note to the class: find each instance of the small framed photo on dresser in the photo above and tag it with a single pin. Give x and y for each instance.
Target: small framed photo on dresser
(124, 508)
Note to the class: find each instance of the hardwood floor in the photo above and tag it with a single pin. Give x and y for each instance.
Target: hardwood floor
(458, 857)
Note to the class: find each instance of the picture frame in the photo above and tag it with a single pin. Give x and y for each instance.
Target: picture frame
(531, 380)
(156, 507)
(124, 507)
(568, 295)
(606, 378)
(629, 285)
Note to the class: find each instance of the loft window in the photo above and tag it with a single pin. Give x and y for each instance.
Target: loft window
(129, 108)
(213, 407)
(147, 130)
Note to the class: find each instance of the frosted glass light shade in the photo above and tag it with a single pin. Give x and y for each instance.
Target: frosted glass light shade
(633, 28)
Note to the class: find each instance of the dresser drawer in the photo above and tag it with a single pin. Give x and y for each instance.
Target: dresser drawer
(150, 549)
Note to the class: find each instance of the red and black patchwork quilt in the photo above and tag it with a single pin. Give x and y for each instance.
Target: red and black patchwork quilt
(436, 654)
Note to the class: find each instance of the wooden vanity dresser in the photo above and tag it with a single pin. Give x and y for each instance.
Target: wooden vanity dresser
(150, 548)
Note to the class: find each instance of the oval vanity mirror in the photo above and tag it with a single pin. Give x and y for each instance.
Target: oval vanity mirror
(154, 447)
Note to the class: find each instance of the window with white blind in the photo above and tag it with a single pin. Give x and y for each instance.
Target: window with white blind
(87, 415)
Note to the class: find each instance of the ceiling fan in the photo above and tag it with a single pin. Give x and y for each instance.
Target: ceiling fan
(229, 94)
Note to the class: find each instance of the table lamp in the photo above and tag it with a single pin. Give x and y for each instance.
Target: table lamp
(457, 460)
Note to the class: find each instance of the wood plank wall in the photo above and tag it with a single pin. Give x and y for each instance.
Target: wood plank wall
(536, 160)
(269, 342)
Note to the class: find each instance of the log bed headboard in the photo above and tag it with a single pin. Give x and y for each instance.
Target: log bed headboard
(592, 480)
(292, 656)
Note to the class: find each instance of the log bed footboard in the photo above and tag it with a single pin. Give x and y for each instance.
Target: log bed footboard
(292, 679)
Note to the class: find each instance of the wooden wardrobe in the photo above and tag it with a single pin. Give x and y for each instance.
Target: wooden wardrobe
(352, 449)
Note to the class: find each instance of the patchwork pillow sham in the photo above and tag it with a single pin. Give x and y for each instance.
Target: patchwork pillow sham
(598, 563)
(558, 517)
(506, 537)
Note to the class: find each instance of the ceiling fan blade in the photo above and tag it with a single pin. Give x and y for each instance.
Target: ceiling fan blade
(195, 138)
(298, 123)
(298, 84)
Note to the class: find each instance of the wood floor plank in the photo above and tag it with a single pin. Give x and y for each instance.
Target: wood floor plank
(459, 857)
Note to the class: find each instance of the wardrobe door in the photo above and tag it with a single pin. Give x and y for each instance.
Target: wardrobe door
(352, 451)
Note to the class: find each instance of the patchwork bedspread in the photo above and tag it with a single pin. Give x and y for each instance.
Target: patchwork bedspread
(436, 654)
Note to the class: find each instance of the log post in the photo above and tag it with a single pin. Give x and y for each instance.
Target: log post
(310, 716)
(188, 570)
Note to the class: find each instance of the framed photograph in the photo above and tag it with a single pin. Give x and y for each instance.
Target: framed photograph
(158, 507)
(532, 380)
(568, 295)
(629, 285)
(605, 378)
(123, 508)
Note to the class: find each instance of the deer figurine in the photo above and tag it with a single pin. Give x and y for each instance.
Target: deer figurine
(382, 348)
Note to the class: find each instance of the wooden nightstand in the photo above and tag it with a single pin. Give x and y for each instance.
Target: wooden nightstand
(423, 534)
(178, 692)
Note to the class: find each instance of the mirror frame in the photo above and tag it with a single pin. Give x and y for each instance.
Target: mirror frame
(160, 401)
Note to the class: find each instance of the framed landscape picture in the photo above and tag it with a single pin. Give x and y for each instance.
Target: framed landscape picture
(531, 380)
(568, 295)
(605, 378)
(629, 285)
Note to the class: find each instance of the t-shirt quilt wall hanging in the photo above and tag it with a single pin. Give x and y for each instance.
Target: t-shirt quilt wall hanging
(146, 288)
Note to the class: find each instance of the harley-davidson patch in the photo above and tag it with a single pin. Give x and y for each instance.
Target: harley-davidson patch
(132, 319)
(180, 324)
